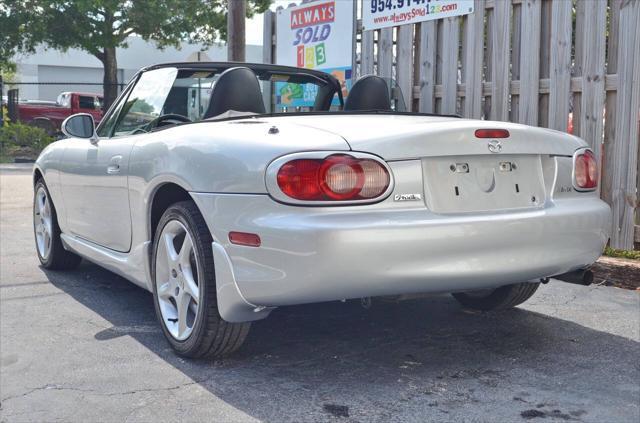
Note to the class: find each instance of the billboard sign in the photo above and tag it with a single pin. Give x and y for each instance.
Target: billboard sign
(378, 14)
(315, 35)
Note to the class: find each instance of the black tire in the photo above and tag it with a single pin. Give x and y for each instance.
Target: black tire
(58, 258)
(501, 298)
(211, 336)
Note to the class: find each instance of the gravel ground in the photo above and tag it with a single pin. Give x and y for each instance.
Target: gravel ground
(85, 346)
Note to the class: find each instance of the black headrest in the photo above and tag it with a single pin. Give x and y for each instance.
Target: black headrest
(370, 92)
(236, 89)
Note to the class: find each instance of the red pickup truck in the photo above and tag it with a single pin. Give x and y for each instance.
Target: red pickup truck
(49, 115)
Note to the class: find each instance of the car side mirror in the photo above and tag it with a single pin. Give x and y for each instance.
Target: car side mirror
(80, 125)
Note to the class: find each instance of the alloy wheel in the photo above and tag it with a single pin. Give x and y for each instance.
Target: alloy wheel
(43, 222)
(177, 280)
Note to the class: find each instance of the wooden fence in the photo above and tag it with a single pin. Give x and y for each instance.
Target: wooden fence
(549, 63)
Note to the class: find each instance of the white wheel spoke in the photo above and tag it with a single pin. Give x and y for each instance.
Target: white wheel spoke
(46, 226)
(45, 207)
(182, 301)
(172, 255)
(166, 290)
(185, 252)
(191, 288)
(41, 203)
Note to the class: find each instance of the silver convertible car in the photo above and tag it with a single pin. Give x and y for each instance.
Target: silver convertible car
(191, 190)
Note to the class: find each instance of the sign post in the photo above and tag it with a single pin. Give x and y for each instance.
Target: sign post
(315, 35)
(1, 103)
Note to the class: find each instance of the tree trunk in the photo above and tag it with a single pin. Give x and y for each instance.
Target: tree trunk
(110, 81)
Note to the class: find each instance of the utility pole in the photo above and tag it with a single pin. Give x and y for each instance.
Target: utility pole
(1, 103)
(235, 30)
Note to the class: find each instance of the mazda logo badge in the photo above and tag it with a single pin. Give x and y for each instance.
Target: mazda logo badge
(495, 146)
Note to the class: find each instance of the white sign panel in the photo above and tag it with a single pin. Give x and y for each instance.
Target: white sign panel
(386, 13)
(314, 35)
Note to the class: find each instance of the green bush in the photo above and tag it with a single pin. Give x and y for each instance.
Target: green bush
(628, 254)
(18, 139)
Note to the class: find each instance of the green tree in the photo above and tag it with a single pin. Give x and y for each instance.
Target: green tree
(99, 26)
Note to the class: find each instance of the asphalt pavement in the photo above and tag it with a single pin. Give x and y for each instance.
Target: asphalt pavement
(85, 346)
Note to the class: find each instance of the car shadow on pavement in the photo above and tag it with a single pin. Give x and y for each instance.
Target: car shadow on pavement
(339, 359)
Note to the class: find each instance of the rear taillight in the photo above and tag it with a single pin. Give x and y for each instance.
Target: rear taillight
(585, 170)
(339, 177)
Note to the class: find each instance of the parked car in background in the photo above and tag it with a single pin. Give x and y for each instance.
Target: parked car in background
(49, 115)
(190, 189)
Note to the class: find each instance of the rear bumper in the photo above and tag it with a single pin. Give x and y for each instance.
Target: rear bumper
(321, 254)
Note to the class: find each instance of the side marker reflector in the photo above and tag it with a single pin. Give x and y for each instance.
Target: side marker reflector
(245, 238)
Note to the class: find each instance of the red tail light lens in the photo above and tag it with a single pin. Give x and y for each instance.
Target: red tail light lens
(339, 177)
(585, 170)
(492, 133)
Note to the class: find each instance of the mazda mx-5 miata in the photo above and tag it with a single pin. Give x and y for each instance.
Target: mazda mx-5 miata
(191, 190)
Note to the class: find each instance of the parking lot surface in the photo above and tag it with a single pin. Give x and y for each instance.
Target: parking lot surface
(85, 346)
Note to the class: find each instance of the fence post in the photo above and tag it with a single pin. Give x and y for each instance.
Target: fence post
(530, 62)
(426, 102)
(404, 63)
(560, 66)
(500, 57)
(450, 49)
(366, 53)
(625, 147)
(472, 69)
(610, 103)
(267, 54)
(514, 67)
(592, 96)
(385, 53)
(13, 112)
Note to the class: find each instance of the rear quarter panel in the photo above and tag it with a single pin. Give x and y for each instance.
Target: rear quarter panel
(214, 157)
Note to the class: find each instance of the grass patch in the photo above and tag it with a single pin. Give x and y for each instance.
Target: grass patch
(628, 254)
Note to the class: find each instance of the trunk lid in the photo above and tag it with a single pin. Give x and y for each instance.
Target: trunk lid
(461, 173)
(401, 137)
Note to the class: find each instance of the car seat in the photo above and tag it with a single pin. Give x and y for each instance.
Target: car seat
(236, 89)
(370, 92)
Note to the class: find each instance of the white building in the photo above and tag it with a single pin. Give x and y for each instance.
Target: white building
(75, 67)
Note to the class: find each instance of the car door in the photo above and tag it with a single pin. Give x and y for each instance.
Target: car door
(95, 190)
(94, 175)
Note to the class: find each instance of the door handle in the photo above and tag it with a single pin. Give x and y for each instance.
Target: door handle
(114, 165)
